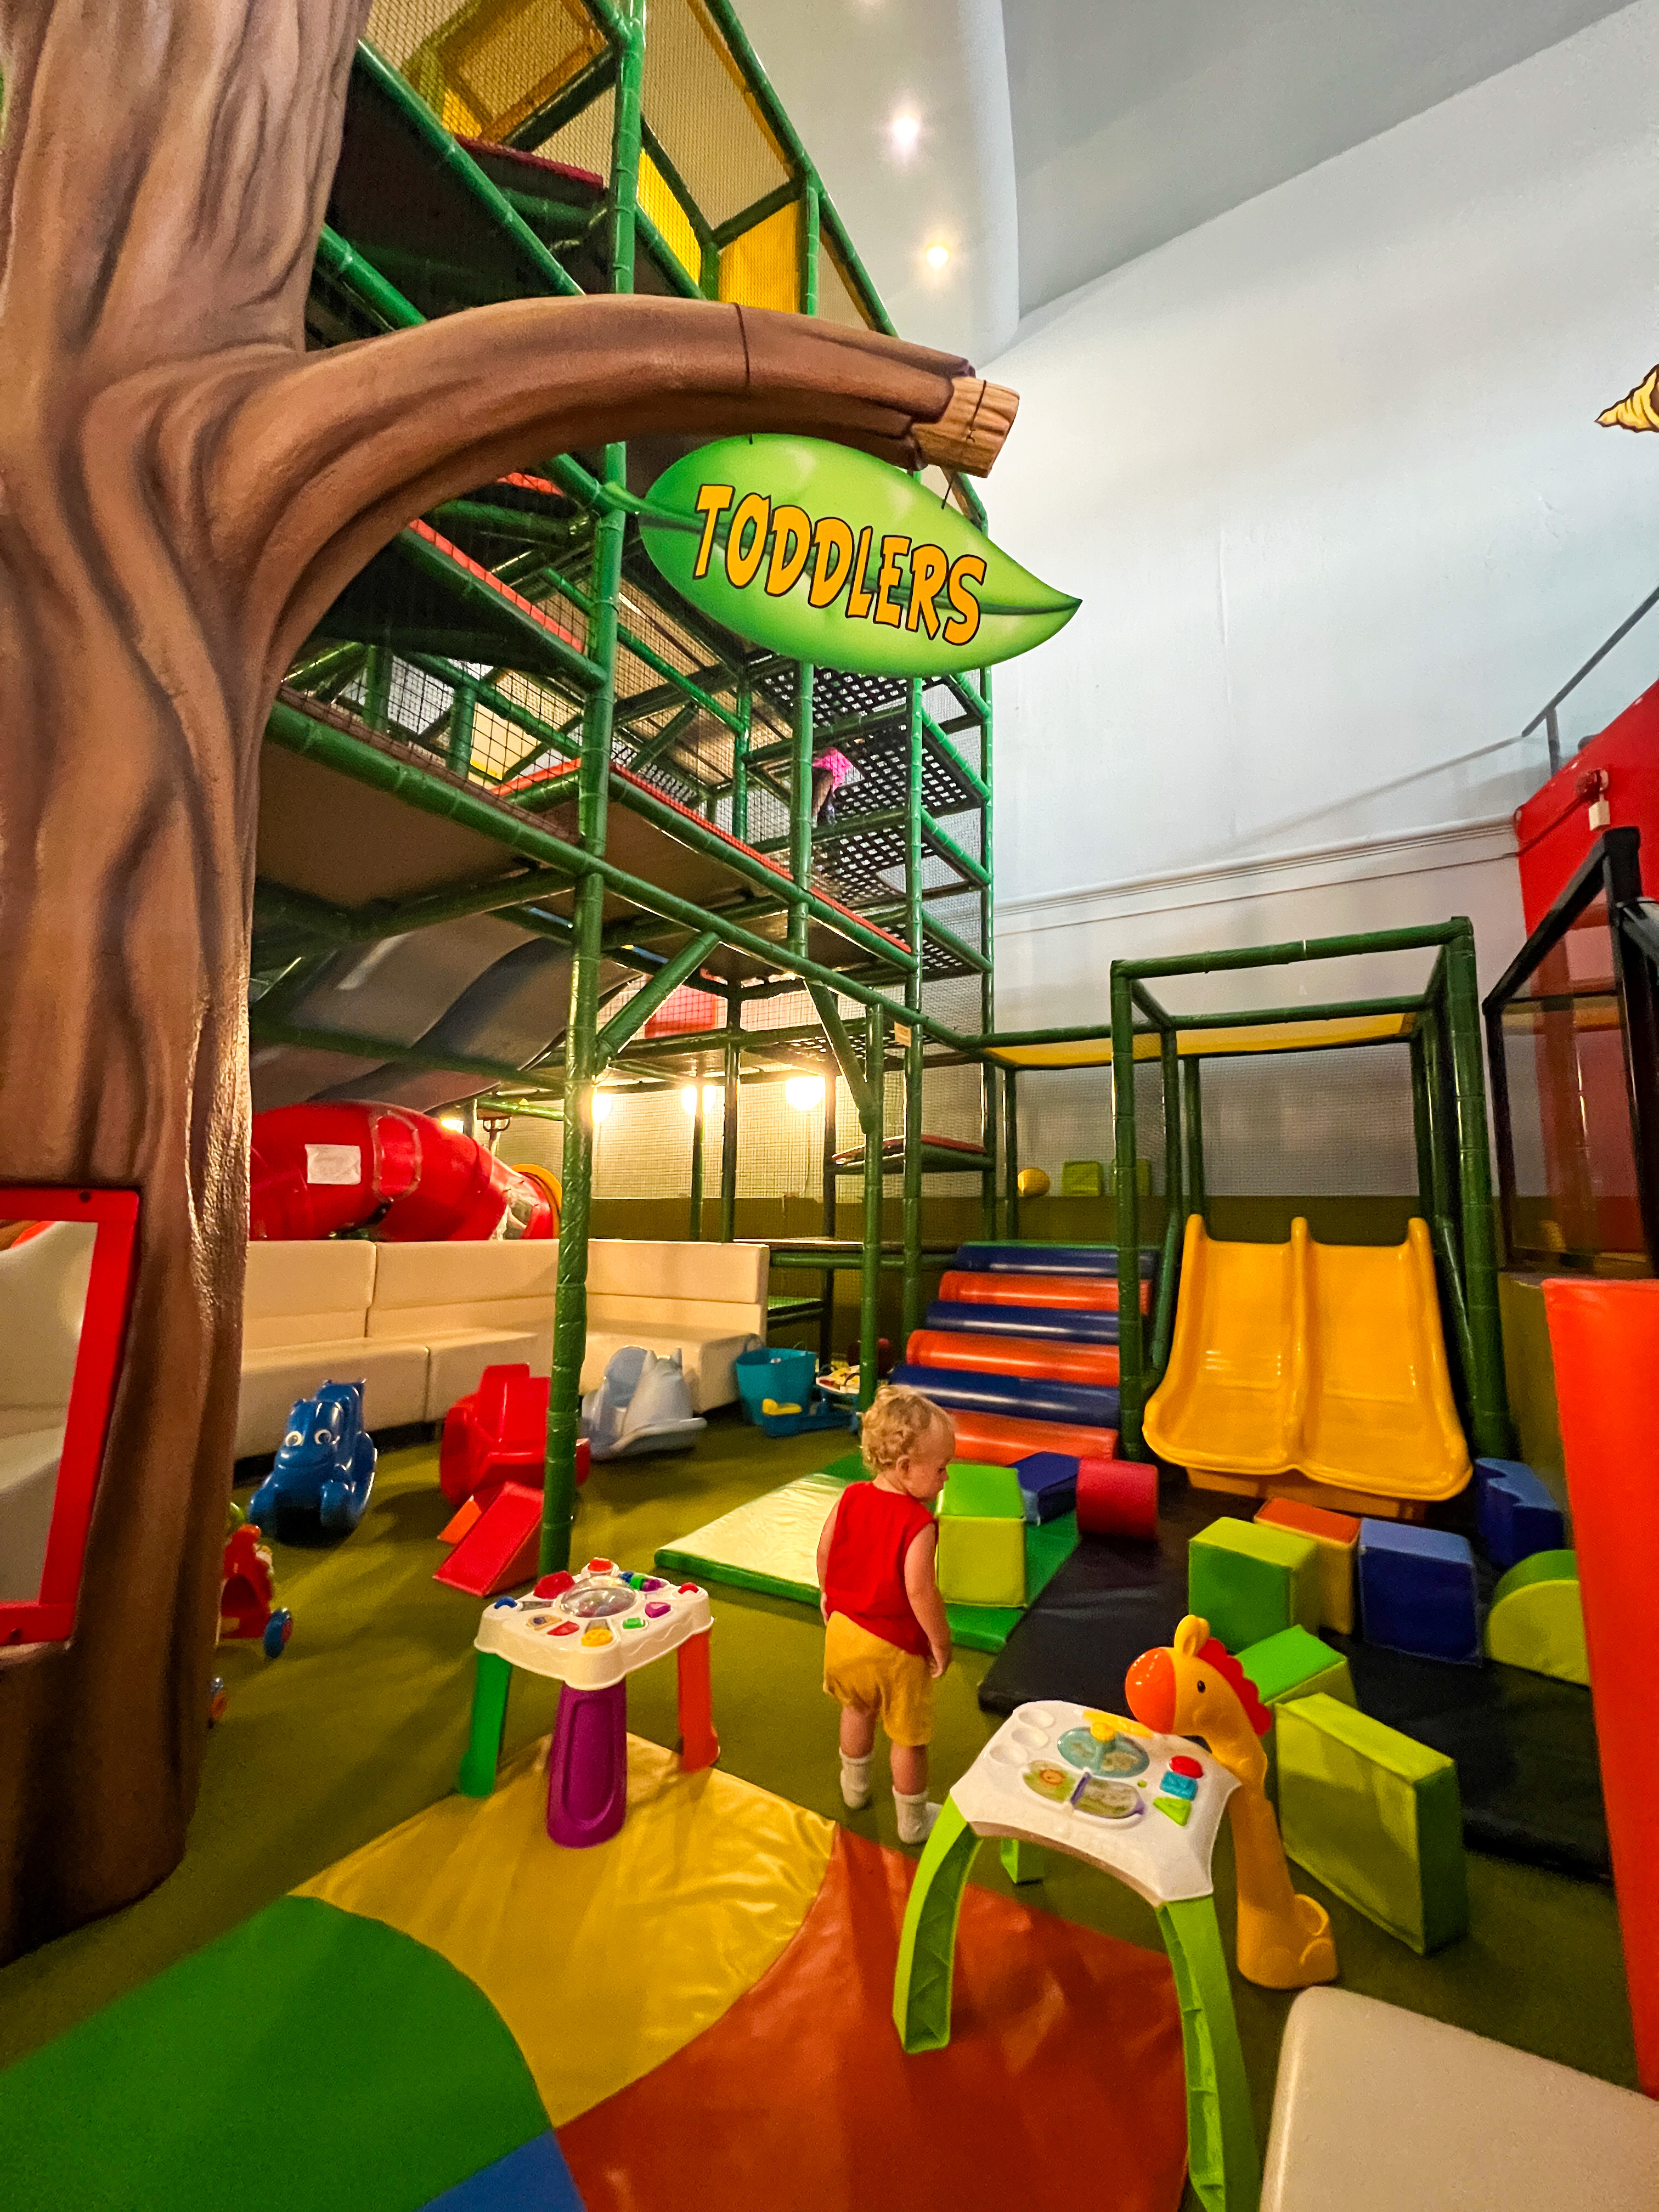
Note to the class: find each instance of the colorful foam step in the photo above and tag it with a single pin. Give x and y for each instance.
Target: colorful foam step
(1117, 1498)
(1375, 1816)
(1296, 1664)
(1336, 1537)
(1082, 1179)
(1065, 1293)
(1048, 1259)
(1047, 1483)
(1018, 1396)
(982, 1536)
(1515, 1515)
(1250, 1581)
(1417, 1591)
(1041, 1359)
(965, 1318)
(1003, 1439)
(1537, 1619)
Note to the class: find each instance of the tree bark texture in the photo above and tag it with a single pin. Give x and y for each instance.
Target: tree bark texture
(183, 491)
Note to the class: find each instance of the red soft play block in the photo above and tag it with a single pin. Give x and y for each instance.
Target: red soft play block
(500, 1549)
(1116, 1497)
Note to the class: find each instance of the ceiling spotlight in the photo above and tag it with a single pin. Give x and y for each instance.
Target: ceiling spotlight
(937, 254)
(452, 1121)
(602, 1103)
(804, 1092)
(904, 131)
(712, 1097)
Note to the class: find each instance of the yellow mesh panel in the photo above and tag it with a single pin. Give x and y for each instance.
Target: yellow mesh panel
(703, 114)
(838, 302)
(485, 67)
(762, 268)
(657, 201)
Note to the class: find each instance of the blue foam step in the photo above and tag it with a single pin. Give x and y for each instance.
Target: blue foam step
(1417, 1591)
(1046, 1259)
(1021, 1397)
(1057, 1323)
(1047, 1484)
(1516, 1514)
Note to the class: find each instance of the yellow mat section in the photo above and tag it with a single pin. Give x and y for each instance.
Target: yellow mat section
(1208, 1044)
(602, 1962)
(1325, 1360)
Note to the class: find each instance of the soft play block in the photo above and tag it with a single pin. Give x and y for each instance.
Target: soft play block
(1337, 1537)
(1047, 1483)
(1294, 1664)
(1536, 1619)
(1374, 1816)
(1082, 1179)
(1117, 1498)
(977, 1492)
(1417, 1590)
(1248, 1581)
(982, 1537)
(1517, 1516)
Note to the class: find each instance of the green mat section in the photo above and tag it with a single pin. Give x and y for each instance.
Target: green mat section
(312, 2058)
(769, 1544)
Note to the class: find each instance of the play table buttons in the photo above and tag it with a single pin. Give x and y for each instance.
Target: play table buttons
(1181, 1764)
(554, 1585)
(1178, 1810)
(656, 1610)
(598, 1634)
(1176, 1784)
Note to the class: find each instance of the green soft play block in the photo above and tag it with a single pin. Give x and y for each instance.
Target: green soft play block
(1374, 1816)
(1294, 1664)
(973, 1493)
(1536, 1621)
(1249, 1580)
(1082, 1179)
(982, 1561)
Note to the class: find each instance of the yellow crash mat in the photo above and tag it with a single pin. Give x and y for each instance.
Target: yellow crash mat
(602, 1962)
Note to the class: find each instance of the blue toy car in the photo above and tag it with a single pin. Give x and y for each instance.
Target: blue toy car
(325, 1465)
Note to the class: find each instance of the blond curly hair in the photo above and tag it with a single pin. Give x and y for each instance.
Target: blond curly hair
(899, 1421)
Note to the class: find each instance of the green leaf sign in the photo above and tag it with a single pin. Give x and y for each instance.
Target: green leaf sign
(825, 555)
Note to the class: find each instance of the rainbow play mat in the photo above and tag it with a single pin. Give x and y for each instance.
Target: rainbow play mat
(695, 2014)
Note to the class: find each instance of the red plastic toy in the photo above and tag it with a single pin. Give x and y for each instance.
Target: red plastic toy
(500, 1430)
(247, 1588)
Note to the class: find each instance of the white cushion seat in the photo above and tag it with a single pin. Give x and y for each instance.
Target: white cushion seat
(707, 1356)
(273, 1376)
(456, 1362)
(1379, 2109)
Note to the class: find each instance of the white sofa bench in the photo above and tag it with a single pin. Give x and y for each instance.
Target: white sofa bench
(706, 1301)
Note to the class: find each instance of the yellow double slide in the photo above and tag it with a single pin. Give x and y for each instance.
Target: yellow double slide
(1324, 1360)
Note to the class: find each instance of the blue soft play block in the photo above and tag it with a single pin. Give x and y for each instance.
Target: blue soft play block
(1417, 1591)
(1047, 1483)
(1517, 1516)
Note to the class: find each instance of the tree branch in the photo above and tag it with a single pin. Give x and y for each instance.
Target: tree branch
(324, 462)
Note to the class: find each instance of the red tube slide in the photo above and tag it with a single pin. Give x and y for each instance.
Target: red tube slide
(1040, 1358)
(1079, 1293)
(322, 1168)
(999, 1439)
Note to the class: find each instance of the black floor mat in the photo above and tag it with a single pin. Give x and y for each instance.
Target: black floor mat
(1524, 1746)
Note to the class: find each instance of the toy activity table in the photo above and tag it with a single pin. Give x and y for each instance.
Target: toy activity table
(1142, 1807)
(590, 1631)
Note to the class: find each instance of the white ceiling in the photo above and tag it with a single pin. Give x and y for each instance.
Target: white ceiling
(1062, 137)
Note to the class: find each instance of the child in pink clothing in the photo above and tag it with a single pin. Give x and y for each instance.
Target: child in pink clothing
(886, 1638)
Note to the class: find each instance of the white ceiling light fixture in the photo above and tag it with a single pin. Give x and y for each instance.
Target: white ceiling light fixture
(602, 1103)
(712, 1097)
(938, 255)
(804, 1092)
(904, 133)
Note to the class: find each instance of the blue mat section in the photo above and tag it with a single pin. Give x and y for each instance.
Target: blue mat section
(533, 2179)
(1018, 1395)
(1059, 1324)
(1046, 1259)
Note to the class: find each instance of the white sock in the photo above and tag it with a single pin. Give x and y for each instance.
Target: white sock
(915, 1816)
(855, 1782)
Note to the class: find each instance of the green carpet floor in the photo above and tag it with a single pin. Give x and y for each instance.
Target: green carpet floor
(361, 1723)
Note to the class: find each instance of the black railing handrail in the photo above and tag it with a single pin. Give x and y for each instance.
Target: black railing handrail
(1548, 716)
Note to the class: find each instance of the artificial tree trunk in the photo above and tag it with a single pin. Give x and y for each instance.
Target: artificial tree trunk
(183, 490)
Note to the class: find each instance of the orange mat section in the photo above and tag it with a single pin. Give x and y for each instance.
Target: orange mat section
(1042, 1358)
(1081, 1293)
(1062, 2086)
(999, 1439)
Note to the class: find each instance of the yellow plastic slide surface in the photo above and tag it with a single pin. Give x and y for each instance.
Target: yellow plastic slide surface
(1325, 1360)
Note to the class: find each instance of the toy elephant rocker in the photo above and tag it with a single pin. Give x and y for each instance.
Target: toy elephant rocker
(325, 1466)
(643, 1405)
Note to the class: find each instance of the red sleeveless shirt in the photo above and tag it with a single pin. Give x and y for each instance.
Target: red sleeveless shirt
(863, 1574)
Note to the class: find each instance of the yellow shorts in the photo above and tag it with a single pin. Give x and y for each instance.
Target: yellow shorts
(874, 1676)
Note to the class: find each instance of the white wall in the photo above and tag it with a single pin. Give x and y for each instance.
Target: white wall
(1327, 476)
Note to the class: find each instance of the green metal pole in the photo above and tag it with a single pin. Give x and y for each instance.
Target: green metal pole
(731, 1068)
(1173, 1216)
(1422, 1122)
(800, 805)
(1191, 1074)
(827, 1309)
(809, 249)
(740, 763)
(570, 1301)
(875, 1058)
(695, 1226)
(462, 715)
(1489, 1399)
(1132, 1379)
(377, 688)
(987, 1100)
(1011, 1159)
(910, 1294)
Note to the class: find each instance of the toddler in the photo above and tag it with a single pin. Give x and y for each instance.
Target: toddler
(886, 1640)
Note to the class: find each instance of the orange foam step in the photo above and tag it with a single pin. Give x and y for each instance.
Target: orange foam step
(1070, 1293)
(1043, 1359)
(999, 1439)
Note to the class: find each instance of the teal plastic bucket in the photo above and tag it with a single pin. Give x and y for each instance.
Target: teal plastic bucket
(786, 1375)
